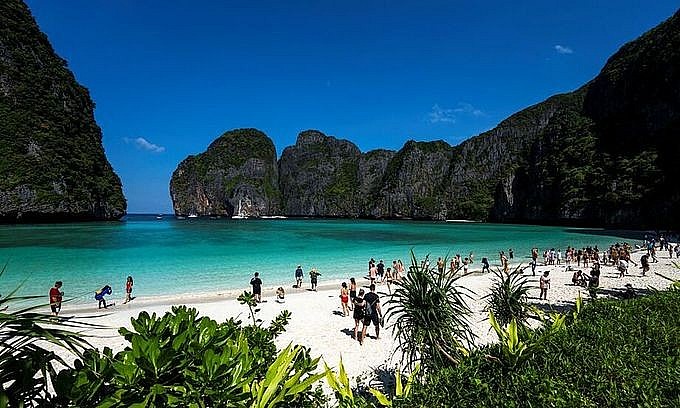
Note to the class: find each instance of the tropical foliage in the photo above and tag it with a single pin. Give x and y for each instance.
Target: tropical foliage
(614, 354)
(183, 360)
(429, 316)
(27, 338)
(508, 297)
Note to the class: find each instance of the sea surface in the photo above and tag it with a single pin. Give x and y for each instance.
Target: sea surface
(206, 256)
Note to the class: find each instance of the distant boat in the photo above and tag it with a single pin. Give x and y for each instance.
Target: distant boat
(273, 217)
(239, 215)
(461, 221)
(193, 216)
(159, 217)
(181, 217)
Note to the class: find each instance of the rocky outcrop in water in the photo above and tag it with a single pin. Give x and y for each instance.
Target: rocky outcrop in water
(239, 168)
(52, 162)
(601, 155)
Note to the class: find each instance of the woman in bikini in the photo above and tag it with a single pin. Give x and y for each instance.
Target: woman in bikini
(344, 299)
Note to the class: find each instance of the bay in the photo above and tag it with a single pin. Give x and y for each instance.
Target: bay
(206, 256)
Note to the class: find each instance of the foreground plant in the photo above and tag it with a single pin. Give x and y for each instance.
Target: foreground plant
(26, 365)
(429, 315)
(183, 360)
(400, 392)
(508, 298)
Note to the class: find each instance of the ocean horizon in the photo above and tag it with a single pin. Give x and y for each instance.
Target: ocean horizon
(209, 256)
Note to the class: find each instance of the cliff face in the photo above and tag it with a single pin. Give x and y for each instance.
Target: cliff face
(601, 155)
(607, 154)
(238, 167)
(52, 163)
(412, 185)
(319, 177)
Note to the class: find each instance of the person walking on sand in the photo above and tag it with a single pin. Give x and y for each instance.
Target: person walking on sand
(358, 314)
(256, 282)
(128, 289)
(388, 278)
(372, 312)
(644, 264)
(298, 276)
(344, 299)
(545, 285)
(313, 277)
(56, 296)
(440, 265)
(352, 292)
(373, 274)
(485, 265)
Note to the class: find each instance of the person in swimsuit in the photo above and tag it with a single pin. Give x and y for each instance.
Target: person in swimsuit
(358, 315)
(344, 299)
(352, 292)
(128, 289)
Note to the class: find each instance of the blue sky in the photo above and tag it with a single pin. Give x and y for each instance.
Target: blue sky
(168, 77)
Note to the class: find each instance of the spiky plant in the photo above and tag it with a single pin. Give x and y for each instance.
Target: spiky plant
(428, 313)
(26, 363)
(508, 298)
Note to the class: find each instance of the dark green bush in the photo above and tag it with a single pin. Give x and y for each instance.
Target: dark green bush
(617, 354)
(182, 360)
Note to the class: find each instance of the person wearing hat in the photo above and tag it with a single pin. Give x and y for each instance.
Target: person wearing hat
(298, 276)
(314, 278)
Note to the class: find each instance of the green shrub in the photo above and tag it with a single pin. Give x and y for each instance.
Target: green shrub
(181, 360)
(616, 354)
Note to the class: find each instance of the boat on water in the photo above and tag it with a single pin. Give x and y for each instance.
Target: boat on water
(193, 216)
(461, 221)
(273, 217)
(181, 217)
(159, 217)
(240, 215)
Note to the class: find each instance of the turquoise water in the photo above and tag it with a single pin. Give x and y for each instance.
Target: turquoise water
(172, 256)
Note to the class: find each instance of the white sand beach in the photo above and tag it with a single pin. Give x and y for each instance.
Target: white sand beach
(317, 320)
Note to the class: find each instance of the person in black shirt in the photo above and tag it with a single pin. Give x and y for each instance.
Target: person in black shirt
(373, 303)
(257, 287)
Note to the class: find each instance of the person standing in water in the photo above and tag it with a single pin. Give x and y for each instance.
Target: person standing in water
(128, 289)
(56, 296)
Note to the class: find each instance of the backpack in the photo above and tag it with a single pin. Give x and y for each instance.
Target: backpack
(368, 309)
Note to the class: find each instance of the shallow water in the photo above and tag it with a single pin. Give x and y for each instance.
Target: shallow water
(172, 256)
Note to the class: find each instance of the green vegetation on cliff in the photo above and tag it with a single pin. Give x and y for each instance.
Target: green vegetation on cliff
(238, 167)
(53, 164)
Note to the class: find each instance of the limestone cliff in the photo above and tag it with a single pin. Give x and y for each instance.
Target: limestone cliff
(601, 155)
(52, 162)
(319, 177)
(239, 167)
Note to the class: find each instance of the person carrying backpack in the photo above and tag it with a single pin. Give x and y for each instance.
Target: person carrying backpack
(372, 312)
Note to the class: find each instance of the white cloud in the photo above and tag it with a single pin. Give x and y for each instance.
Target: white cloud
(144, 144)
(468, 109)
(441, 115)
(562, 49)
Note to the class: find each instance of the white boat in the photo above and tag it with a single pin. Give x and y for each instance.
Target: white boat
(193, 216)
(273, 217)
(239, 215)
(159, 217)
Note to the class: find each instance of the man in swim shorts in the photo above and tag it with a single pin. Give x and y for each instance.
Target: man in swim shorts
(373, 303)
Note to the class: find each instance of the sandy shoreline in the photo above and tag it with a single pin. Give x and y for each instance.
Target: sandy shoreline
(317, 320)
